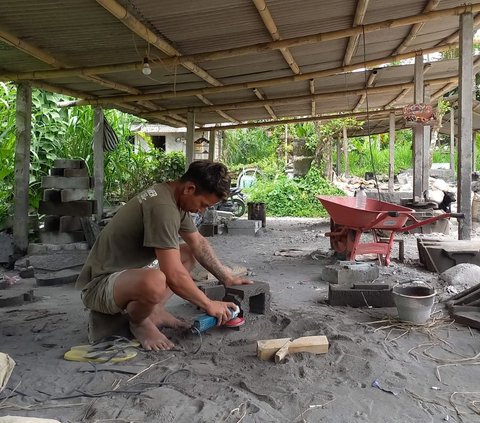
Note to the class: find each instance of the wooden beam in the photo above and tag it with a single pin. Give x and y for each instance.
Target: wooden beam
(98, 160)
(252, 84)
(312, 91)
(23, 124)
(211, 145)
(362, 6)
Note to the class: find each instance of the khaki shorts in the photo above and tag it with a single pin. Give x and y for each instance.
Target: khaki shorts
(99, 297)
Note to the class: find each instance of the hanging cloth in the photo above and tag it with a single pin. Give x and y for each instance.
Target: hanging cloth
(110, 138)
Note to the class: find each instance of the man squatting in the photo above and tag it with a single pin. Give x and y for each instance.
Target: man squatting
(114, 278)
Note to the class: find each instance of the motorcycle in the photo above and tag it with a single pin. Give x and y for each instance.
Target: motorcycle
(236, 203)
(233, 206)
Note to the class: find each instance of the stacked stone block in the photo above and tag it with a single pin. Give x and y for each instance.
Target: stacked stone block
(65, 202)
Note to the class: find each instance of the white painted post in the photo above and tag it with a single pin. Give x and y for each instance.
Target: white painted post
(418, 133)
(190, 134)
(465, 125)
(452, 139)
(391, 153)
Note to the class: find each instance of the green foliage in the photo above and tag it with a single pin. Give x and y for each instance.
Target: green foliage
(293, 197)
(67, 133)
(249, 145)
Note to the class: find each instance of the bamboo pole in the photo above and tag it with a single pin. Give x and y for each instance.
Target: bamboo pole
(241, 51)
(357, 20)
(273, 30)
(293, 99)
(325, 118)
(254, 84)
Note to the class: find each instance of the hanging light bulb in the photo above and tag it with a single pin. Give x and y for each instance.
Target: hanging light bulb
(146, 70)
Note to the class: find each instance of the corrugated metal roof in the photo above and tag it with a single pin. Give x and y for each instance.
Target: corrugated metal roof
(52, 34)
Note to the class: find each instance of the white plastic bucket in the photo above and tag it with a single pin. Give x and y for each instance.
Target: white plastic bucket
(414, 302)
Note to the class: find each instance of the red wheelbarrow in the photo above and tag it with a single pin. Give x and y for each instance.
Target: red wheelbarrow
(348, 222)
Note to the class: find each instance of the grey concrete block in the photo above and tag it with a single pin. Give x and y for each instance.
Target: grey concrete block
(242, 232)
(253, 298)
(73, 195)
(244, 224)
(27, 273)
(17, 294)
(71, 208)
(62, 277)
(56, 171)
(61, 237)
(52, 195)
(6, 247)
(70, 224)
(53, 262)
(61, 182)
(69, 163)
(349, 272)
(213, 291)
(51, 223)
(364, 296)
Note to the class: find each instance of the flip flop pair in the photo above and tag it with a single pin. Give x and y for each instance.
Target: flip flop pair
(114, 349)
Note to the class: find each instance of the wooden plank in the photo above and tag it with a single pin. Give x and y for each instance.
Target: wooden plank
(282, 352)
(312, 344)
(267, 348)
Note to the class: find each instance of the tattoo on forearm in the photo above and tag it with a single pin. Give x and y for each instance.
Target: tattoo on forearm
(207, 258)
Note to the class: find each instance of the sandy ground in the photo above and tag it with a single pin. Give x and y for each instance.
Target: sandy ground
(424, 371)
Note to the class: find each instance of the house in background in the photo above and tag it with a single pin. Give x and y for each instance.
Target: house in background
(168, 139)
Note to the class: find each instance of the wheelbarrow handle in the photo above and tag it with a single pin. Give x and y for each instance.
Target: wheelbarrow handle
(457, 215)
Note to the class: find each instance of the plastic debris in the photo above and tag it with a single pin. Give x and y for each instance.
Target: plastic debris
(376, 384)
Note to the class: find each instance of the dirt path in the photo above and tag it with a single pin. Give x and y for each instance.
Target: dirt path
(225, 382)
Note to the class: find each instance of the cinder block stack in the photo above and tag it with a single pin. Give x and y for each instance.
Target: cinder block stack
(65, 202)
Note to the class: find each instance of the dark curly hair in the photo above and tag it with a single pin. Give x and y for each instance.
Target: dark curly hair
(209, 178)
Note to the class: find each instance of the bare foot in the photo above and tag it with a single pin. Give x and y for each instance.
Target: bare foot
(161, 317)
(149, 336)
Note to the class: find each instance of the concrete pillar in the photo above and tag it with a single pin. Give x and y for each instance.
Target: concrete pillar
(427, 138)
(452, 139)
(418, 133)
(98, 160)
(465, 125)
(190, 135)
(391, 153)
(345, 151)
(23, 121)
(211, 145)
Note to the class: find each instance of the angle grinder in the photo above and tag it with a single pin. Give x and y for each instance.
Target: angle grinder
(205, 321)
